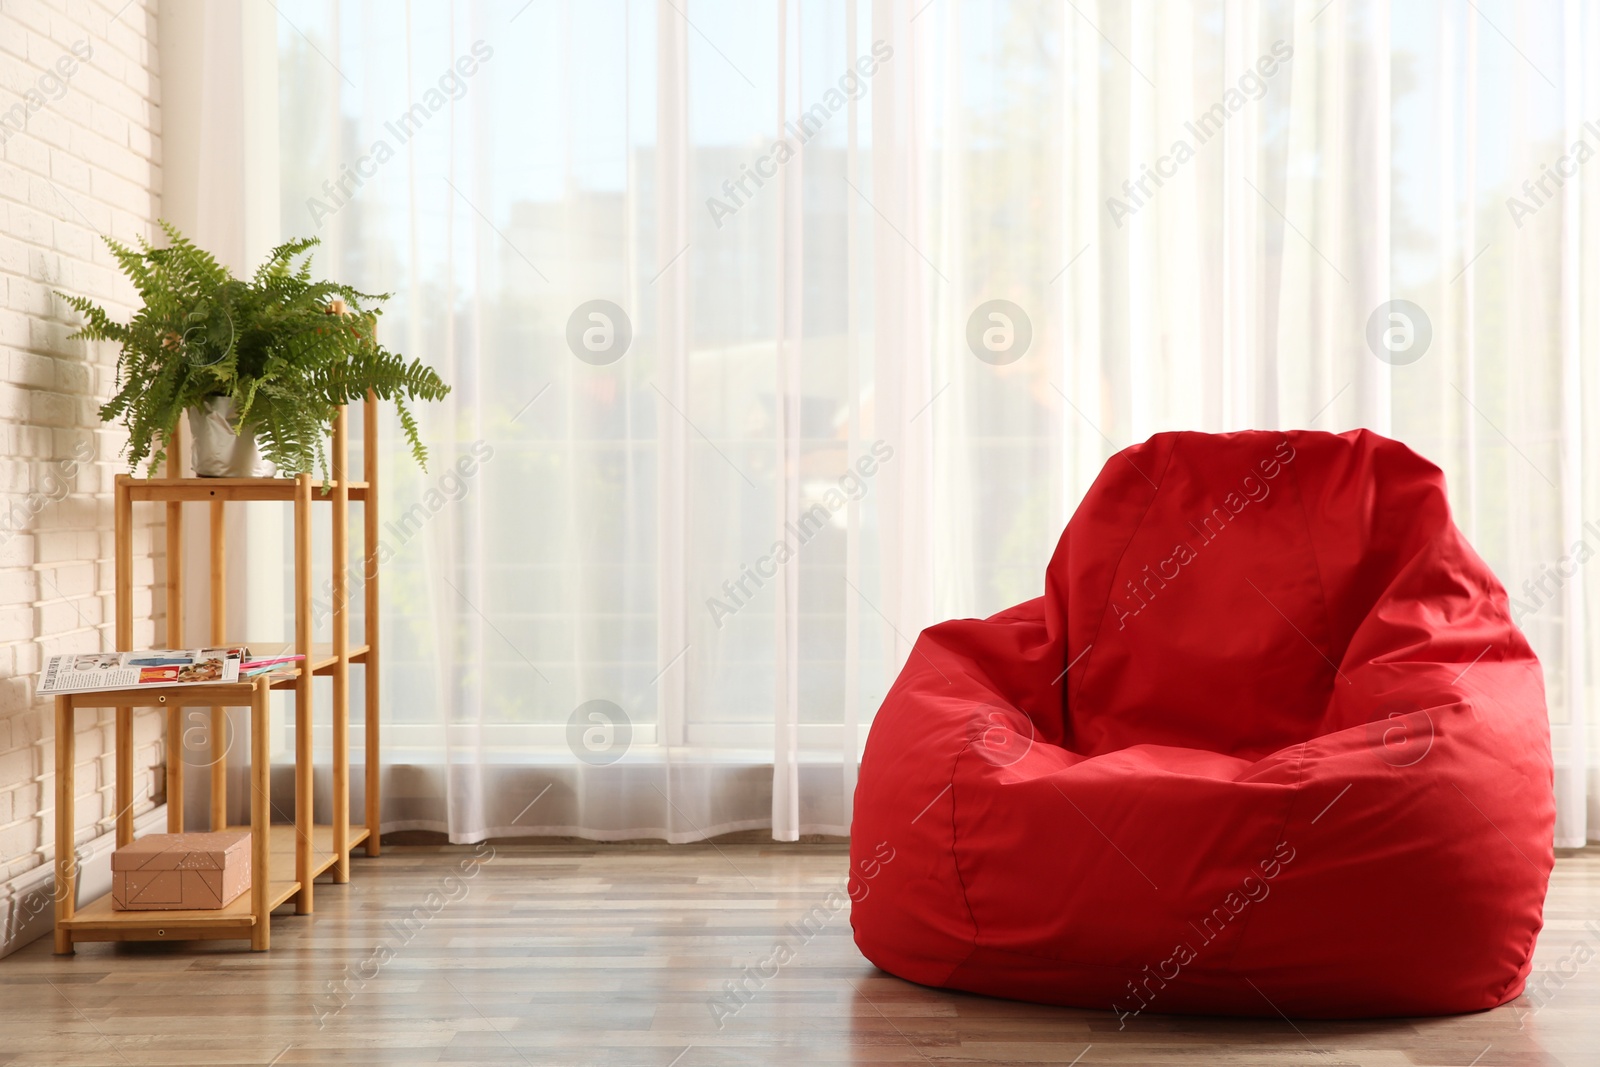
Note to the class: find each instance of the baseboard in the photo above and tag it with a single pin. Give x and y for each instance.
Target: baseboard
(27, 902)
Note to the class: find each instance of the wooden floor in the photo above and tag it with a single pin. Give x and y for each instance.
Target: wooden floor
(615, 955)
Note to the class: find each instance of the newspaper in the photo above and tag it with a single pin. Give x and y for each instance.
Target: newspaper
(93, 672)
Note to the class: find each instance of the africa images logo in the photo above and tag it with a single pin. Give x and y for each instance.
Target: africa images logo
(1154, 578)
(851, 85)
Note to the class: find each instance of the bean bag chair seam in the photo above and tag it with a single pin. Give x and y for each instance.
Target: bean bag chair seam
(1288, 811)
(1316, 563)
(955, 864)
(1521, 973)
(1523, 968)
(1133, 533)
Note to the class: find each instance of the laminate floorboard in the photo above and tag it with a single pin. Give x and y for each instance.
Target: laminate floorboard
(617, 955)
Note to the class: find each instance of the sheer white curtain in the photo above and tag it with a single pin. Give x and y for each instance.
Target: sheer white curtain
(780, 330)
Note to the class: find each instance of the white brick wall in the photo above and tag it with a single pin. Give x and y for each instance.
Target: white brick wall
(80, 156)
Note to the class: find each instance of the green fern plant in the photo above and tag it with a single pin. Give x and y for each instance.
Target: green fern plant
(287, 349)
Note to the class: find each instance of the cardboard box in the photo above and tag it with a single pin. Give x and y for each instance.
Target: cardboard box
(159, 872)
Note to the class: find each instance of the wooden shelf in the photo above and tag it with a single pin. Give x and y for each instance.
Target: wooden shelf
(281, 846)
(323, 657)
(199, 695)
(247, 916)
(219, 694)
(99, 921)
(302, 851)
(221, 489)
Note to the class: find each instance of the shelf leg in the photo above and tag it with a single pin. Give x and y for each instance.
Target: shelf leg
(123, 521)
(369, 676)
(177, 750)
(218, 734)
(124, 787)
(303, 766)
(341, 647)
(66, 858)
(260, 815)
(219, 636)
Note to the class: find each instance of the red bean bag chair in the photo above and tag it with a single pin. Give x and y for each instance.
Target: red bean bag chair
(1268, 744)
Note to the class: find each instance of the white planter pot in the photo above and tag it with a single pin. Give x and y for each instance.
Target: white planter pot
(218, 451)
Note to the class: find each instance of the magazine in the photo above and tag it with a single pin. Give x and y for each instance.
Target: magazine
(91, 672)
(249, 668)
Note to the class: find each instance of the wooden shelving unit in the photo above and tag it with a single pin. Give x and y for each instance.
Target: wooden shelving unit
(246, 917)
(314, 849)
